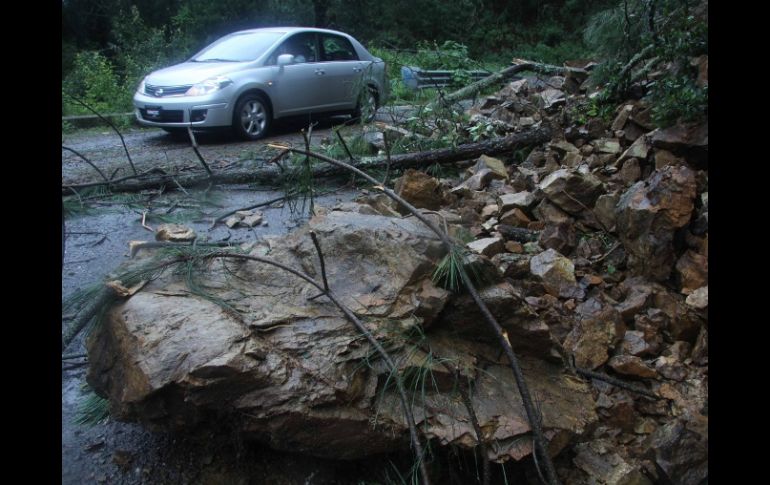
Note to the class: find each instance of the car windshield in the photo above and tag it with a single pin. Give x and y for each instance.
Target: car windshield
(238, 47)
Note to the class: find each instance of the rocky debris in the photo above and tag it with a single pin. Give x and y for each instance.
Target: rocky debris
(634, 343)
(571, 191)
(594, 247)
(598, 329)
(516, 218)
(246, 218)
(490, 224)
(549, 99)
(479, 180)
(563, 147)
(526, 331)
(603, 464)
(670, 368)
(487, 247)
(604, 210)
(607, 145)
(630, 172)
(620, 120)
(700, 351)
(520, 200)
(174, 233)
(559, 237)
(430, 301)
(630, 365)
(692, 269)
(514, 247)
(649, 213)
(494, 164)
(550, 214)
(641, 313)
(420, 190)
(680, 450)
(557, 274)
(699, 299)
(515, 265)
(681, 139)
(489, 211)
(638, 149)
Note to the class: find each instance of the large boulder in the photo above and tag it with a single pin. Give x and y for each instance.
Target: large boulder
(244, 346)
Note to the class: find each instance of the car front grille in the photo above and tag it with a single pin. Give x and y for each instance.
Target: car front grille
(166, 116)
(163, 91)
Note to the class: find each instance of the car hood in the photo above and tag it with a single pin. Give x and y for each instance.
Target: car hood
(188, 73)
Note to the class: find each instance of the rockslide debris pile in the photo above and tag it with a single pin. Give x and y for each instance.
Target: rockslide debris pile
(594, 252)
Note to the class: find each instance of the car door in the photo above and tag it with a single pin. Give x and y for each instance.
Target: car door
(298, 88)
(342, 71)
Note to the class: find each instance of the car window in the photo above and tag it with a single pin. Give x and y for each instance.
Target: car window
(301, 46)
(238, 47)
(337, 48)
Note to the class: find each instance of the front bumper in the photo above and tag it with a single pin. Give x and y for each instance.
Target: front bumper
(182, 111)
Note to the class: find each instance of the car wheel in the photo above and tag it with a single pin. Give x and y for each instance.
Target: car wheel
(367, 106)
(252, 117)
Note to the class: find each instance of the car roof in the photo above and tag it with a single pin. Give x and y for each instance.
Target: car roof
(288, 30)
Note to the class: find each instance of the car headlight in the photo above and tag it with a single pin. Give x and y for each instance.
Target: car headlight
(208, 86)
(140, 88)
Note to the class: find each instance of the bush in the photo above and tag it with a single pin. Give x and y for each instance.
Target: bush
(663, 41)
(678, 99)
(93, 80)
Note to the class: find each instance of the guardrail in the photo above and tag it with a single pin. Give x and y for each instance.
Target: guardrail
(415, 78)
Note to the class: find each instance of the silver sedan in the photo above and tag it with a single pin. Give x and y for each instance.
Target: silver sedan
(247, 79)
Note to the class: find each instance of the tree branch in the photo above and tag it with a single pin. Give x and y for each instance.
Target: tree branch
(112, 125)
(87, 161)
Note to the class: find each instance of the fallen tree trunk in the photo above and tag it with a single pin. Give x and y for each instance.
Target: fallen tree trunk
(520, 66)
(266, 175)
(469, 151)
(269, 174)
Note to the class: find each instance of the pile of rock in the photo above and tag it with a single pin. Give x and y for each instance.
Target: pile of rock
(602, 234)
(592, 252)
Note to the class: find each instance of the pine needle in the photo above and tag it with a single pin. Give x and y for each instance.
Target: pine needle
(92, 409)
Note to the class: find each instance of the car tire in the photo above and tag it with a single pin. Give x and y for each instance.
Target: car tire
(366, 109)
(252, 117)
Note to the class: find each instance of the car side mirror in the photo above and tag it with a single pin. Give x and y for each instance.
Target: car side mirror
(285, 59)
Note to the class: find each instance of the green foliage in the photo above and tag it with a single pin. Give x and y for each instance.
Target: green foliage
(664, 40)
(609, 36)
(556, 54)
(589, 108)
(92, 410)
(447, 272)
(678, 99)
(93, 80)
(429, 55)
